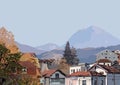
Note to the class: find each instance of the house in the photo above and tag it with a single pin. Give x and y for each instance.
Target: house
(85, 78)
(107, 54)
(104, 62)
(31, 67)
(79, 67)
(30, 71)
(112, 74)
(53, 77)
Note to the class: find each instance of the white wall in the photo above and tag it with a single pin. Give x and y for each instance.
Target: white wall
(80, 67)
(60, 75)
(89, 80)
(76, 68)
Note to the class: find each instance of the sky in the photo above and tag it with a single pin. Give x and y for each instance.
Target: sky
(38, 22)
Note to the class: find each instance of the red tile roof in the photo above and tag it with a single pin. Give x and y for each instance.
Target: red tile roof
(86, 74)
(48, 73)
(31, 68)
(104, 61)
(110, 69)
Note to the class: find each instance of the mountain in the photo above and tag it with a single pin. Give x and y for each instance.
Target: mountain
(26, 48)
(48, 47)
(87, 55)
(92, 37)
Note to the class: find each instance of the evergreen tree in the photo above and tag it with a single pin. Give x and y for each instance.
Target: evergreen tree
(74, 56)
(67, 52)
(70, 55)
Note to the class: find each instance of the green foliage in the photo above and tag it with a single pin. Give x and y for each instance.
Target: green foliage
(8, 63)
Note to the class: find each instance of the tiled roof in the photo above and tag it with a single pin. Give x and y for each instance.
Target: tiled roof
(31, 68)
(104, 61)
(47, 60)
(110, 69)
(86, 74)
(48, 73)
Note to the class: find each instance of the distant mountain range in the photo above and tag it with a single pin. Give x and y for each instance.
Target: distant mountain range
(26, 48)
(88, 42)
(85, 55)
(48, 47)
(38, 50)
(92, 37)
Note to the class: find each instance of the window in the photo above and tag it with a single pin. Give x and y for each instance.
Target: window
(24, 69)
(83, 82)
(73, 70)
(102, 82)
(95, 82)
(56, 75)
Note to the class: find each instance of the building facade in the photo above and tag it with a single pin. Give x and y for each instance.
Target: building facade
(53, 77)
(79, 67)
(107, 54)
(112, 74)
(85, 78)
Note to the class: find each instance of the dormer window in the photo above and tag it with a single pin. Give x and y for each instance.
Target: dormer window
(24, 70)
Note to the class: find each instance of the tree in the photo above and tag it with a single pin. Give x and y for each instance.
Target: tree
(63, 66)
(8, 64)
(74, 56)
(70, 55)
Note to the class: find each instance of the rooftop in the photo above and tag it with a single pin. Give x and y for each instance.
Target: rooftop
(86, 74)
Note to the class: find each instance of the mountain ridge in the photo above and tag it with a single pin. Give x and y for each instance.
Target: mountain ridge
(26, 48)
(85, 55)
(92, 37)
(48, 47)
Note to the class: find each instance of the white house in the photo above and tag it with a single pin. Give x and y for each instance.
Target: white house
(104, 62)
(53, 77)
(112, 74)
(107, 54)
(79, 67)
(85, 78)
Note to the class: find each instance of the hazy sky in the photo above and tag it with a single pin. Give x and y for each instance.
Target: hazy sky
(37, 22)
